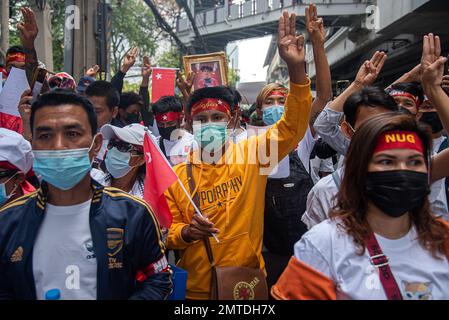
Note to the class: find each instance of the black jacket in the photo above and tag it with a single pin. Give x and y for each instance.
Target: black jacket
(126, 240)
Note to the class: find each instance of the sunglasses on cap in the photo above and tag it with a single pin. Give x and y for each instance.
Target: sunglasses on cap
(7, 173)
(124, 146)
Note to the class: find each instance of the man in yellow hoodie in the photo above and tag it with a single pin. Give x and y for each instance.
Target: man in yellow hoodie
(230, 179)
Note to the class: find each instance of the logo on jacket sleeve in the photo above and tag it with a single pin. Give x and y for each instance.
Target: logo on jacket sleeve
(17, 255)
(115, 240)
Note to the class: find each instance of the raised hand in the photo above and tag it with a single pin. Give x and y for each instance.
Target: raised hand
(93, 71)
(291, 46)
(370, 69)
(146, 67)
(432, 63)
(185, 85)
(315, 25)
(28, 29)
(129, 60)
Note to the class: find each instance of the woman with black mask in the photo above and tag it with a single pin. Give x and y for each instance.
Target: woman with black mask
(380, 227)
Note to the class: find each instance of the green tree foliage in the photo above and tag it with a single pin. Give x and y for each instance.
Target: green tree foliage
(132, 25)
(170, 59)
(57, 23)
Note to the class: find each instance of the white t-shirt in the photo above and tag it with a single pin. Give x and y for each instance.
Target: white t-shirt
(178, 150)
(320, 165)
(305, 147)
(63, 255)
(437, 195)
(321, 199)
(331, 251)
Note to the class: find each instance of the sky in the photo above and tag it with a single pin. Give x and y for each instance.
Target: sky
(252, 55)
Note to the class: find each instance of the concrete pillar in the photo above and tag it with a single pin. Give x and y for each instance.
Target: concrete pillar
(82, 39)
(4, 26)
(44, 41)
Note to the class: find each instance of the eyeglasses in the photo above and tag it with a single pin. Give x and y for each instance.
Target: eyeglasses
(124, 147)
(7, 173)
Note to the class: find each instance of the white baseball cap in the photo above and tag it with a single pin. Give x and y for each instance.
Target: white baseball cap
(133, 133)
(15, 150)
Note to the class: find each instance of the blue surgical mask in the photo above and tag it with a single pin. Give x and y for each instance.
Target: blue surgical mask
(63, 169)
(3, 196)
(211, 136)
(272, 114)
(117, 163)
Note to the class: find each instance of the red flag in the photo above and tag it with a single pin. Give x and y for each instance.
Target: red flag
(163, 83)
(159, 177)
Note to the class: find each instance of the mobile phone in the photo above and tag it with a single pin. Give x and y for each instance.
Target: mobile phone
(341, 86)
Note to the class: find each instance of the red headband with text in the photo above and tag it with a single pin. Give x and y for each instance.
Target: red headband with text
(399, 93)
(211, 104)
(169, 116)
(15, 57)
(399, 140)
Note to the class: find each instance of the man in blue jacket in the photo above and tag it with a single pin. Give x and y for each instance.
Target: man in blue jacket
(73, 235)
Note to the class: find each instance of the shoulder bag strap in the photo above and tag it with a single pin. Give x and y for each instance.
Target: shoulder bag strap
(379, 260)
(210, 255)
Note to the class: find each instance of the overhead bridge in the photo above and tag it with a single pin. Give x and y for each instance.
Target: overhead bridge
(256, 18)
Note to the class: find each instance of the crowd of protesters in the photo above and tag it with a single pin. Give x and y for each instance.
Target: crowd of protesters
(327, 197)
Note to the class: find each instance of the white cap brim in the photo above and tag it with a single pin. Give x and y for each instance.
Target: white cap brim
(133, 134)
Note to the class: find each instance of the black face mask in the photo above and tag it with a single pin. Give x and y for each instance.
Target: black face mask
(433, 120)
(397, 192)
(132, 118)
(166, 132)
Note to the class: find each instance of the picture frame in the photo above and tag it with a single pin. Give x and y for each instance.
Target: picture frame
(210, 69)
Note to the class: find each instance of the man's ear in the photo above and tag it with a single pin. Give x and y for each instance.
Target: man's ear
(96, 146)
(346, 129)
(115, 112)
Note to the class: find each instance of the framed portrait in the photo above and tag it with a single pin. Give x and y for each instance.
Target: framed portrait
(211, 70)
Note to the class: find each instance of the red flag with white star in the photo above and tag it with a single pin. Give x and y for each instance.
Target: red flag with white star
(159, 177)
(163, 83)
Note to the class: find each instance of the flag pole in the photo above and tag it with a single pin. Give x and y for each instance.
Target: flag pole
(197, 211)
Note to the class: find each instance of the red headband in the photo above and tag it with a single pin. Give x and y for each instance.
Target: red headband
(278, 93)
(211, 104)
(15, 57)
(169, 116)
(8, 166)
(399, 140)
(398, 93)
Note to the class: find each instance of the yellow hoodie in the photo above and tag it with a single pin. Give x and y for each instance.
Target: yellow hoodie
(232, 195)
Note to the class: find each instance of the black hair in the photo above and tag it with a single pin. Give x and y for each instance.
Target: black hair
(104, 89)
(368, 97)
(15, 49)
(129, 98)
(60, 97)
(167, 104)
(237, 96)
(414, 88)
(206, 68)
(221, 92)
